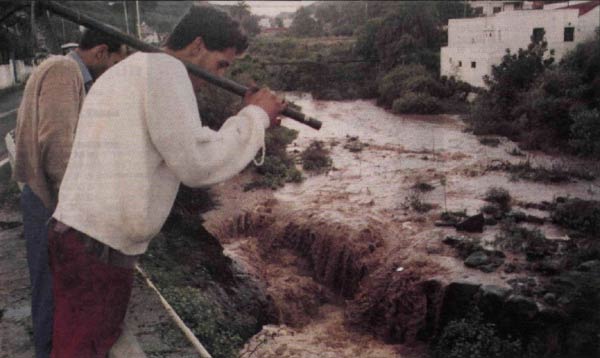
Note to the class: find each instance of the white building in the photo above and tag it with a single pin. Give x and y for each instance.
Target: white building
(475, 44)
(489, 8)
(264, 22)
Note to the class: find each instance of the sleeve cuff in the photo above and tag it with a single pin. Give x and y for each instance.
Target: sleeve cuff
(257, 114)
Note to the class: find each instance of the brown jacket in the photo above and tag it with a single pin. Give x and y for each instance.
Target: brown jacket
(46, 123)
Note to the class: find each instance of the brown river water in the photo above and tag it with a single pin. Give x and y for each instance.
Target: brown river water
(312, 244)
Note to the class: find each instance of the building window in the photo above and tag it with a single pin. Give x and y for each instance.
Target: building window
(569, 34)
(473, 64)
(459, 63)
(538, 34)
(497, 9)
(478, 11)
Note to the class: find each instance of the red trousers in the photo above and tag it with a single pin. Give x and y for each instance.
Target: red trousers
(90, 296)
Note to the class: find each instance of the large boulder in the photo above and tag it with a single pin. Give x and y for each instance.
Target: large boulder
(473, 223)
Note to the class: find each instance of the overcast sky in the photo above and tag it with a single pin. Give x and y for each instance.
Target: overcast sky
(269, 8)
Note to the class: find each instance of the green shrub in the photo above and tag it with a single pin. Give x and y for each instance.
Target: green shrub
(275, 172)
(316, 157)
(423, 187)
(488, 118)
(419, 103)
(558, 173)
(415, 202)
(392, 85)
(490, 142)
(499, 196)
(585, 132)
(578, 214)
(205, 319)
(520, 239)
(426, 84)
(278, 167)
(472, 338)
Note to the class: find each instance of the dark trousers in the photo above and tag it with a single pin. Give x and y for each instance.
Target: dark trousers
(35, 219)
(92, 285)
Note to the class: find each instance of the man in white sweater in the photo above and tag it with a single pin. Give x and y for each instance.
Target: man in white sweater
(139, 136)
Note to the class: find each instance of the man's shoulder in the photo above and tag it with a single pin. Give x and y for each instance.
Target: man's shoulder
(58, 62)
(163, 60)
(58, 65)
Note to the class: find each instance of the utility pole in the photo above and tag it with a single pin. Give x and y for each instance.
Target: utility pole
(126, 17)
(124, 3)
(139, 27)
(64, 37)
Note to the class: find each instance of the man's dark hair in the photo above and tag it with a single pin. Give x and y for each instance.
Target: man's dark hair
(92, 38)
(216, 28)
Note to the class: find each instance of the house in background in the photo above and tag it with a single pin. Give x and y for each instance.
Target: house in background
(476, 44)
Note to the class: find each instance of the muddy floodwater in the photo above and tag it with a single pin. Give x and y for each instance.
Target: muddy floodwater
(321, 246)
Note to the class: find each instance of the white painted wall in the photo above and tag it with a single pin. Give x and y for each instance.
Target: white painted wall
(7, 77)
(484, 40)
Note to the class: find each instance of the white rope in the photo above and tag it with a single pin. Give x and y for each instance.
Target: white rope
(186, 331)
(262, 156)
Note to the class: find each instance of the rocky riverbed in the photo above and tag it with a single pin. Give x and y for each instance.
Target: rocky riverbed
(360, 261)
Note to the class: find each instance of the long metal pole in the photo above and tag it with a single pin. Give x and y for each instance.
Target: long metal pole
(131, 41)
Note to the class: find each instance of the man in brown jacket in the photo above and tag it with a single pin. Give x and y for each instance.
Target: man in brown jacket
(46, 123)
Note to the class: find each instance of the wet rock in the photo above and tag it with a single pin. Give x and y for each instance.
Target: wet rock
(459, 298)
(491, 302)
(488, 268)
(589, 266)
(491, 222)
(543, 206)
(517, 216)
(564, 300)
(549, 266)
(452, 240)
(550, 298)
(521, 306)
(476, 259)
(495, 292)
(441, 223)
(472, 224)
(534, 219)
(525, 286)
(551, 315)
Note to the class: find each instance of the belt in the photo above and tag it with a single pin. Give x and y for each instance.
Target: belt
(95, 248)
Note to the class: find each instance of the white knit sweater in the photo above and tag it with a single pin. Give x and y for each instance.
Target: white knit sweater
(139, 135)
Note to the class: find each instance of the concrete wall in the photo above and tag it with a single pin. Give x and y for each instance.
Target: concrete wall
(484, 40)
(7, 73)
